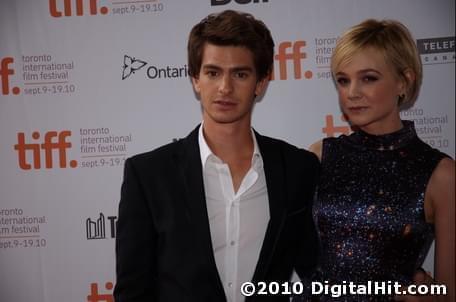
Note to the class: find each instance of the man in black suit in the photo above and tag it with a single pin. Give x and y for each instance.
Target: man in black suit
(225, 205)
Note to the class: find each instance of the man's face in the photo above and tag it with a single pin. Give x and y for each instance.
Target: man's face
(227, 84)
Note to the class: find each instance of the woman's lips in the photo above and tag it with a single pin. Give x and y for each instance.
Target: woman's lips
(358, 109)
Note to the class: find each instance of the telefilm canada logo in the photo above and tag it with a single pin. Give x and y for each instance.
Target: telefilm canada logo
(132, 65)
(440, 50)
(102, 227)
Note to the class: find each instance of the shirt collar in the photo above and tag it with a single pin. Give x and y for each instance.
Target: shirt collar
(206, 152)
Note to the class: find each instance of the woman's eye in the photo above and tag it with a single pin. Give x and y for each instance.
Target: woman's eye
(370, 79)
(342, 81)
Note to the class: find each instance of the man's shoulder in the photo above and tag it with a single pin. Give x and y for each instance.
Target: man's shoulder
(157, 154)
(164, 153)
(286, 148)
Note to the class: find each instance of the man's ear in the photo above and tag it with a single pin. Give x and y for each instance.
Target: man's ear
(261, 86)
(195, 83)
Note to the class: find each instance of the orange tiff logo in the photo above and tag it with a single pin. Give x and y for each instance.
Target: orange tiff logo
(70, 5)
(296, 56)
(331, 130)
(5, 72)
(61, 145)
(95, 296)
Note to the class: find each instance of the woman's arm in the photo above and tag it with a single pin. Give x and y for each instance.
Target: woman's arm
(441, 198)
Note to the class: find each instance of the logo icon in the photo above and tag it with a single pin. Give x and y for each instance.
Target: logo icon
(330, 130)
(296, 55)
(439, 50)
(48, 146)
(96, 229)
(95, 296)
(131, 65)
(69, 5)
(5, 72)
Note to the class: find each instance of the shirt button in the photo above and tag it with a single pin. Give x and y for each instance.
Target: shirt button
(230, 284)
(233, 242)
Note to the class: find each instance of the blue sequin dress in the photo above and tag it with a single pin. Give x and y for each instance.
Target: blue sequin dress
(369, 209)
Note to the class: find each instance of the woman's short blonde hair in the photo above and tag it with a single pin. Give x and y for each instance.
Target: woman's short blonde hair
(394, 41)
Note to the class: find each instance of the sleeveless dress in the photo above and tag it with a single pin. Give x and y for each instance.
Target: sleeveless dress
(369, 209)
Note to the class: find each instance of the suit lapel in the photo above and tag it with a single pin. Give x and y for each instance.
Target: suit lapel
(192, 177)
(274, 172)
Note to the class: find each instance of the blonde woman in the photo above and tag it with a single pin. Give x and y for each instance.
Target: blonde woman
(384, 195)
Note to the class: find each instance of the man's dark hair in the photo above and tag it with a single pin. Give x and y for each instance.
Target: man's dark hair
(231, 28)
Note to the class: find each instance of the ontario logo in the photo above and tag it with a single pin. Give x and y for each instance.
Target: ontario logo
(132, 64)
(439, 50)
(96, 228)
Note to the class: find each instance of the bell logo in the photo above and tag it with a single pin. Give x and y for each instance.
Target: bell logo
(296, 55)
(5, 72)
(95, 296)
(330, 130)
(69, 5)
(224, 2)
(48, 146)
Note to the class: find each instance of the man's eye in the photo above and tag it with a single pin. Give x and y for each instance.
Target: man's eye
(212, 73)
(241, 75)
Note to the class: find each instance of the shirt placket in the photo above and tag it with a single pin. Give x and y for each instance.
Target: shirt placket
(231, 231)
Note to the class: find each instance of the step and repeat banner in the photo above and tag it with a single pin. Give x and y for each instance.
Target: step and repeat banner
(87, 83)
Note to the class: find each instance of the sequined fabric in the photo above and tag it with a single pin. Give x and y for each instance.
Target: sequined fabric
(369, 209)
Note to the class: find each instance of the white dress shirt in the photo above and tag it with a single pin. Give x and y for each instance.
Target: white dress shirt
(237, 221)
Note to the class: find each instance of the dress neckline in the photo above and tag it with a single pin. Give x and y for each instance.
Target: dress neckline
(389, 141)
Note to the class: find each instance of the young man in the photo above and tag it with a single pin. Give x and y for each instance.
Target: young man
(225, 205)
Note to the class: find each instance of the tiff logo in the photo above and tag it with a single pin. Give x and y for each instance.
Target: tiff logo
(95, 296)
(224, 2)
(5, 72)
(330, 130)
(296, 55)
(49, 145)
(97, 229)
(70, 5)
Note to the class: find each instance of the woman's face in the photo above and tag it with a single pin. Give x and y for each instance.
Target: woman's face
(368, 91)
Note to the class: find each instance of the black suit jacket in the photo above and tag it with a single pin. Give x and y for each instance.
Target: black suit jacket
(163, 242)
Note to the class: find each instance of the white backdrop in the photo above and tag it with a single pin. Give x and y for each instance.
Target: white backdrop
(87, 83)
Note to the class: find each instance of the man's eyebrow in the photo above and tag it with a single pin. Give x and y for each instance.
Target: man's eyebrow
(233, 69)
